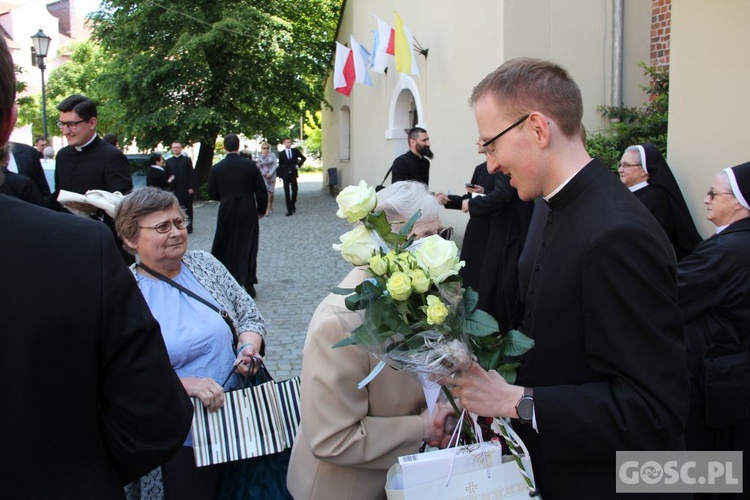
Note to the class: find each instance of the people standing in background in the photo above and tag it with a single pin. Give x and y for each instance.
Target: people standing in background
(238, 184)
(713, 290)
(157, 175)
(112, 139)
(181, 166)
(24, 160)
(645, 172)
(115, 408)
(290, 160)
(16, 185)
(414, 165)
(39, 144)
(267, 164)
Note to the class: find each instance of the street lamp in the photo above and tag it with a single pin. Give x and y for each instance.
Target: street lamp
(41, 46)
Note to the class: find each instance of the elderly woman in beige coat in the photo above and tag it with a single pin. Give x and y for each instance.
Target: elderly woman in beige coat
(349, 437)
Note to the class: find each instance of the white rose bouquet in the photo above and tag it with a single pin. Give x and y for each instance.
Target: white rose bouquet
(416, 314)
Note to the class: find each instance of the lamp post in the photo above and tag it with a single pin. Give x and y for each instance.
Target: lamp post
(41, 46)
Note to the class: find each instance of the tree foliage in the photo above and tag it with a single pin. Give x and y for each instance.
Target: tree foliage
(634, 125)
(191, 70)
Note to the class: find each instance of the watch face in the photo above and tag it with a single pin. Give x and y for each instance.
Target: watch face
(525, 408)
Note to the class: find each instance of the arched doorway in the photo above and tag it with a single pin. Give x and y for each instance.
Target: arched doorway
(405, 113)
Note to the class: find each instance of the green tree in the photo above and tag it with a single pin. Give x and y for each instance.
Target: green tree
(192, 70)
(313, 132)
(634, 125)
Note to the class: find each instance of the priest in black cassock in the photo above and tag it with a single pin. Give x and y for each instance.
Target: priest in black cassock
(87, 162)
(607, 370)
(645, 172)
(238, 184)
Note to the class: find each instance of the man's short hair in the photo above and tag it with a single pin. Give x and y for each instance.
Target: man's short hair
(414, 133)
(7, 79)
(40, 138)
(80, 104)
(110, 138)
(231, 143)
(524, 85)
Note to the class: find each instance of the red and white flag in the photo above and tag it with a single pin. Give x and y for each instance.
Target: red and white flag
(383, 46)
(343, 70)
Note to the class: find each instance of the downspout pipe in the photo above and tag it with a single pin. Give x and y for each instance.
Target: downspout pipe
(617, 49)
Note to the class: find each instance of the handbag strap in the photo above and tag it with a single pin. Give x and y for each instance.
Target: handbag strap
(386, 175)
(222, 312)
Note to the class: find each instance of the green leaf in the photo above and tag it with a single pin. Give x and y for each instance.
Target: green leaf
(379, 222)
(508, 372)
(345, 342)
(516, 343)
(480, 324)
(343, 291)
(471, 298)
(354, 302)
(489, 359)
(407, 228)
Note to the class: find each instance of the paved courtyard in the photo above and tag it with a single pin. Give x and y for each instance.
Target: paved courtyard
(297, 267)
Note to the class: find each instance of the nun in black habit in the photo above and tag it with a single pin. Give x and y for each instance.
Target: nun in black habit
(663, 198)
(713, 291)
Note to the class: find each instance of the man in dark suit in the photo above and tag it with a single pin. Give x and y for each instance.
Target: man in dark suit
(414, 165)
(181, 167)
(95, 401)
(238, 184)
(39, 144)
(607, 371)
(289, 161)
(25, 161)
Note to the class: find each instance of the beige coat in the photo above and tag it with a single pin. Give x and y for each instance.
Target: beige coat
(349, 437)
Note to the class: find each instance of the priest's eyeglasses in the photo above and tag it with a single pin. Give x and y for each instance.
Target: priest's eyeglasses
(71, 125)
(166, 226)
(486, 146)
(713, 194)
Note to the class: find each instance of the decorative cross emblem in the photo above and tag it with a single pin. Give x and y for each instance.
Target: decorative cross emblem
(471, 487)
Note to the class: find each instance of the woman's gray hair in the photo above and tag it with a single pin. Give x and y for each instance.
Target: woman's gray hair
(140, 203)
(403, 199)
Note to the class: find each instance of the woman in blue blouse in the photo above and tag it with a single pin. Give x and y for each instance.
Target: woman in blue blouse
(200, 342)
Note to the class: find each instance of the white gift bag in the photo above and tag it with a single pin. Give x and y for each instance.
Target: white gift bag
(472, 471)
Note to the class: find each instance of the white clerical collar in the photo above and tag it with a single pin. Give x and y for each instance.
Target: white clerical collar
(80, 148)
(721, 228)
(558, 188)
(157, 166)
(638, 186)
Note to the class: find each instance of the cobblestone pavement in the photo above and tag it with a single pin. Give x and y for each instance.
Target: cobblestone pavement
(296, 266)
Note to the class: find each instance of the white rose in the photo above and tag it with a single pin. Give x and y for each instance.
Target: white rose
(355, 202)
(438, 257)
(357, 246)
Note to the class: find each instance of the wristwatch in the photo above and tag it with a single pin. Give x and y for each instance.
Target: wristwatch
(525, 406)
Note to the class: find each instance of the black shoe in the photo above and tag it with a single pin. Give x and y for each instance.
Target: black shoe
(251, 290)
(289, 214)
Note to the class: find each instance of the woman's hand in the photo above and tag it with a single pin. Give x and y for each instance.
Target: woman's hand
(207, 390)
(437, 428)
(249, 345)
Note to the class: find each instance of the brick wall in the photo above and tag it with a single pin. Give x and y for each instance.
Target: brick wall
(661, 21)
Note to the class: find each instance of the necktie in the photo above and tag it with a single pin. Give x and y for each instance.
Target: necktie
(289, 153)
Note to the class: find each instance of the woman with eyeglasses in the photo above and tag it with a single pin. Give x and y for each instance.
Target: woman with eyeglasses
(267, 164)
(646, 173)
(713, 290)
(201, 345)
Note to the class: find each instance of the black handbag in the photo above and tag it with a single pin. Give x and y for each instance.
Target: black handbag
(257, 478)
(725, 380)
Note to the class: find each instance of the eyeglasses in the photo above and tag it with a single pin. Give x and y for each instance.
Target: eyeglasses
(70, 125)
(166, 226)
(713, 194)
(486, 145)
(624, 164)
